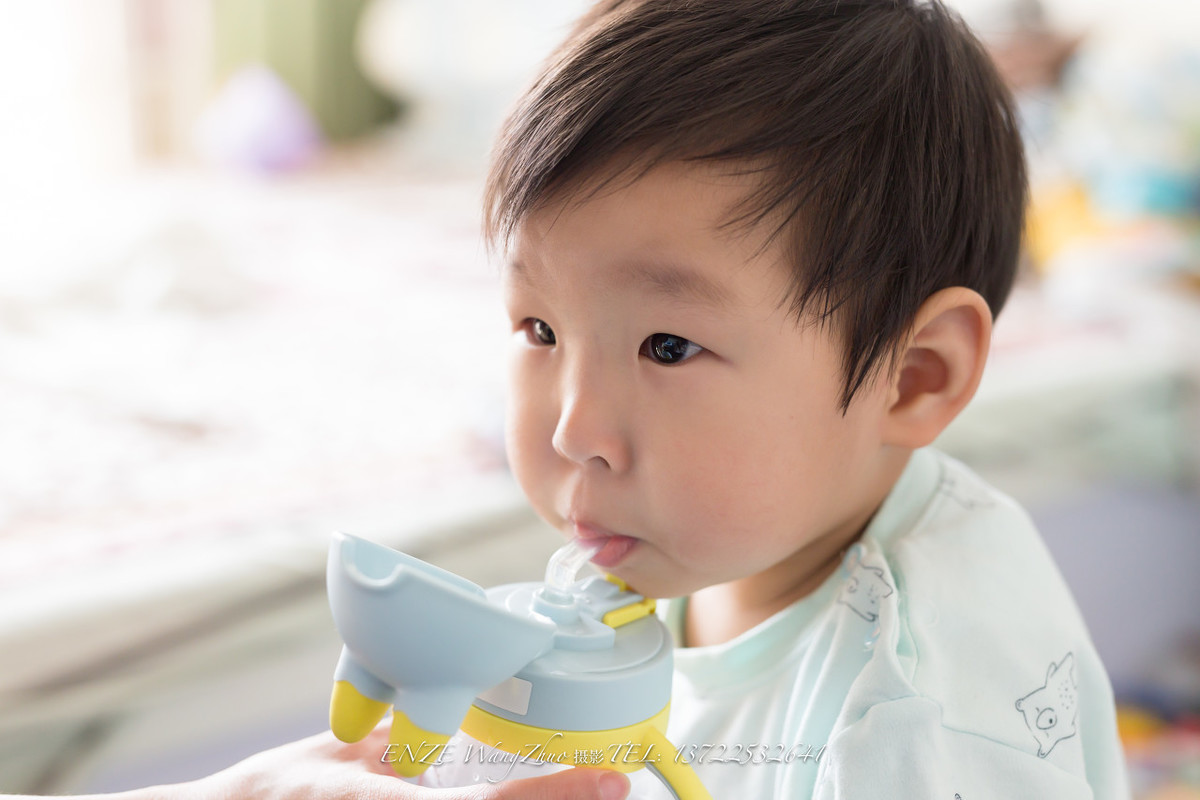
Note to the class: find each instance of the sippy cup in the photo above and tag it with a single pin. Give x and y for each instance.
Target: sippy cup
(566, 672)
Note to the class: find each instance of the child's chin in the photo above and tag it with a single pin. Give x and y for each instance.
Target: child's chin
(648, 584)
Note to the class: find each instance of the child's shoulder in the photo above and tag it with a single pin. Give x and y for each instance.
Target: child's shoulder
(980, 653)
(972, 564)
(942, 516)
(985, 619)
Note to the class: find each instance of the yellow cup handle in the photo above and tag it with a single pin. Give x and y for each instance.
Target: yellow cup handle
(675, 772)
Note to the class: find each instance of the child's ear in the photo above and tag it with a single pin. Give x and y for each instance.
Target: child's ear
(938, 367)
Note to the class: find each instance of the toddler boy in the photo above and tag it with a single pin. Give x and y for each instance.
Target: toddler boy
(752, 255)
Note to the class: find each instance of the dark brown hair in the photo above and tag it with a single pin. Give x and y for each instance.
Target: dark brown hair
(885, 143)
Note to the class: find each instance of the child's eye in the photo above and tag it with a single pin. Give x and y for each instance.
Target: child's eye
(539, 332)
(667, 348)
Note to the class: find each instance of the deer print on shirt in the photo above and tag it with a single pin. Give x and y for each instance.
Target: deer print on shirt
(863, 590)
(1050, 711)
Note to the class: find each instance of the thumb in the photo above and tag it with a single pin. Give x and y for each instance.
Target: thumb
(568, 784)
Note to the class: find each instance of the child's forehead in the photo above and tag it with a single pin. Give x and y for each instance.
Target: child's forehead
(668, 214)
(706, 196)
(660, 235)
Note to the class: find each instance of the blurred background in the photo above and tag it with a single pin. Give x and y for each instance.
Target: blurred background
(244, 302)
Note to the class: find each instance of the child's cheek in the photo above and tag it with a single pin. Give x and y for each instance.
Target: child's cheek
(530, 419)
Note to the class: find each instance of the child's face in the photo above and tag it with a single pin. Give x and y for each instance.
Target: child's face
(665, 403)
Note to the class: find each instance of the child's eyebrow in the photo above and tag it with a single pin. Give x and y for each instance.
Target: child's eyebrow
(667, 280)
(678, 283)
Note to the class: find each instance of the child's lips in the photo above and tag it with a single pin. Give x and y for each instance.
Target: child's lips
(613, 546)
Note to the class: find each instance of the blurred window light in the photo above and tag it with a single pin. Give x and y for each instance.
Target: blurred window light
(63, 68)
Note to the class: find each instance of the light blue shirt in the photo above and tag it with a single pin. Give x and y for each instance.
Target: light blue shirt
(946, 659)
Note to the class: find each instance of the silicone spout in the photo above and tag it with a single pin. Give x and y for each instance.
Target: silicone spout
(555, 598)
(564, 566)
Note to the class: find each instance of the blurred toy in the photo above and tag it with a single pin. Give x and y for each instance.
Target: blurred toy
(257, 123)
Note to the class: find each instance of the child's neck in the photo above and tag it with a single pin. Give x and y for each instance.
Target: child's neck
(719, 613)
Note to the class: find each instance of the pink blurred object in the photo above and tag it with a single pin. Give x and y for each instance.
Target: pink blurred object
(257, 123)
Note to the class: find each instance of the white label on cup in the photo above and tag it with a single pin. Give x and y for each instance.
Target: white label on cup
(511, 695)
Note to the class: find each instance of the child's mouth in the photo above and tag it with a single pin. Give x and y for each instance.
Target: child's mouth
(613, 546)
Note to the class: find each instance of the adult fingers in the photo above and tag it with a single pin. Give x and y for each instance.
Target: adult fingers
(568, 784)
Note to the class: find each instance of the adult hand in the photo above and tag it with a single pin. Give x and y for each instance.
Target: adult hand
(322, 768)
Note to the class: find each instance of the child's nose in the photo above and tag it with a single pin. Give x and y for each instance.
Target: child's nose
(590, 426)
